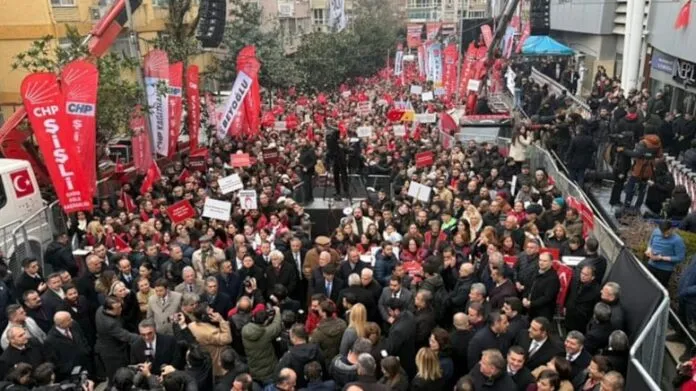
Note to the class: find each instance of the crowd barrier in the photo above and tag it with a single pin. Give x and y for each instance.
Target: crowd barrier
(557, 89)
(683, 176)
(645, 301)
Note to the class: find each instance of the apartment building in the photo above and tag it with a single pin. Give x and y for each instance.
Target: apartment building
(21, 24)
(422, 11)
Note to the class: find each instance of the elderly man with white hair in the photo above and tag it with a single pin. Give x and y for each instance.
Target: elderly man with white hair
(191, 284)
(368, 282)
(283, 273)
(21, 349)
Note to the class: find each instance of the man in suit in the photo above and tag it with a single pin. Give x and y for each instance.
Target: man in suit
(490, 337)
(400, 342)
(353, 265)
(578, 357)
(53, 297)
(30, 279)
(126, 273)
(59, 254)
(280, 272)
(218, 301)
(191, 282)
(541, 345)
(156, 348)
(162, 305)
(295, 257)
(583, 294)
(328, 284)
(459, 341)
(35, 309)
(67, 347)
(228, 281)
(86, 283)
(520, 374)
(540, 296)
(394, 291)
(111, 348)
(361, 295)
(21, 349)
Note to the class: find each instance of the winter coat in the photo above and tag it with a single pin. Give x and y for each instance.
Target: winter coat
(580, 304)
(297, 357)
(644, 168)
(112, 342)
(328, 336)
(60, 256)
(580, 151)
(542, 294)
(678, 206)
(214, 340)
(526, 268)
(384, 266)
(258, 345)
(518, 149)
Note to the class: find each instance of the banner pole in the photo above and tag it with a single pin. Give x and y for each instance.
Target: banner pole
(461, 59)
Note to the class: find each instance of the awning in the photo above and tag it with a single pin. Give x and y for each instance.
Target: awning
(543, 45)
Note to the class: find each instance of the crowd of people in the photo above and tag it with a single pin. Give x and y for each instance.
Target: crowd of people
(460, 292)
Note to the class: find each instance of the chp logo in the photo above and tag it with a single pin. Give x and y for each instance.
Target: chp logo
(21, 181)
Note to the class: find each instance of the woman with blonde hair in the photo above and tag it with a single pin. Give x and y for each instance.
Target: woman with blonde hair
(131, 310)
(429, 375)
(211, 266)
(357, 321)
(95, 233)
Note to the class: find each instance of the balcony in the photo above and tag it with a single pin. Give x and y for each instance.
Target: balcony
(424, 14)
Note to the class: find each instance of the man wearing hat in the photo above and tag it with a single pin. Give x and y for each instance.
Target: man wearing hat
(321, 243)
(207, 250)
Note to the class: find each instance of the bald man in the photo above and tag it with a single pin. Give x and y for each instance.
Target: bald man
(287, 379)
(459, 341)
(67, 344)
(458, 298)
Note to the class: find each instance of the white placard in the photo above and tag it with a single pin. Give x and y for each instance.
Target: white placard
(399, 130)
(419, 192)
(426, 118)
(427, 96)
(346, 94)
(280, 125)
(230, 183)
(365, 131)
(513, 185)
(247, 199)
(416, 90)
(473, 85)
(439, 91)
(364, 108)
(216, 209)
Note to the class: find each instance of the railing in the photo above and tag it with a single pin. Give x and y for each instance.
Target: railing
(31, 236)
(557, 89)
(683, 176)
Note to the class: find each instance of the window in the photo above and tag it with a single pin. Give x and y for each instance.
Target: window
(64, 43)
(319, 17)
(161, 3)
(63, 3)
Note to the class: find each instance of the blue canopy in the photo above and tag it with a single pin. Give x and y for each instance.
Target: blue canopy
(543, 45)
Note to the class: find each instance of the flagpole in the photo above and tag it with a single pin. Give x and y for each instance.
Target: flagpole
(461, 59)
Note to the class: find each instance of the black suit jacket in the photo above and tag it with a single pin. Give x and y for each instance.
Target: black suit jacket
(50, 301)
(133, 275)
(546, 352)
(291, 260)
(336, 289)
(25, 282)
(66, 353)
(523, 378)
(580, 363)
(400, 342)
(344, 270)
(166, 352)
(42, 317)
(222, 303)
(286, 276)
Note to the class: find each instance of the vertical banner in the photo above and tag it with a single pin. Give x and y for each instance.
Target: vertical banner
(176, 84)
(193, 102)
(487, 34)
(525, 34)
(451, 55)
(235, 104)
(431, 30)
(156, 76)
(45, 108)
(399, 61)
(211, 109)
(80, 80)
(413, 35)
(426, 61)
(140, 142)
(435, 59)
(250, 65)
(337, 15)
(421, 61)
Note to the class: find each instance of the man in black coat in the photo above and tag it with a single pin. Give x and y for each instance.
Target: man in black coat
(424, 317)
(540, 297)
(300, 354)
(400, 342)
(308, 159)
(362, 296)
(52, 298)
(30, 279)
(599, 329)
(458, 298)
(85, 284)
(295, 257)
(111, 348)
(158, 349)
(35, 309)
(67, 346)
(80, 311)
(518, 329)
(219, 301)
(582, 297)
(353, 265)
(228, 281)
(281, 272)
(59, 254)
(490, 337)
(328, 284)
(579, 155)
(576, 354)
(541, 346)
(490, 373)
(126, 273)
(459, 341)
(21, 349)
(520, 374)
(594, 259)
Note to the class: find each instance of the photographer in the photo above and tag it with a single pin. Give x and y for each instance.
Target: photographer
(44, 377)
(133, 377)
(258, 337)
(643, 170)
(212, 332)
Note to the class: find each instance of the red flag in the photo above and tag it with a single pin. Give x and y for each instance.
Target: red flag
(80, 80)
(448, 123)
(302, 101)
(683, 16)
(395, 114)
(107, 30)
(121, 245)
(451, 56)
(292, 122)
(127, 202)
(193, 102)
(140, 142)
(247, 63)
(319, 119)
(239, 125)
(310, 133)
(176, 73)
(321, 98)
(152, 175)
(45, 108)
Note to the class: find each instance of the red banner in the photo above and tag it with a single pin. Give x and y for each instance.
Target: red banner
(193, 102)
(176, 84)
(449, 74)
(424, 159)
(181, 211)
(152, 175)
(413, 35)
(240, 160)
(140, 142)
(80, 80)
(270, 156)
(525, 34)
(431, 30)
(247, 62)
(45, 108)
(210, 108)
(487, 34)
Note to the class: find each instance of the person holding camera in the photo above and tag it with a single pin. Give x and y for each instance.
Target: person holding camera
(642, 173)
(212, 332)
(257, 338)
(131, 378)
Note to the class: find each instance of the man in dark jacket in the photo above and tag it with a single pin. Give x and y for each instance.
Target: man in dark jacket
(492, 336)
(582, 297)
(540, 297)
(458, 298)
(30, 278)
(233, 367)
(527, 266)
(281, 272)
(520, 374)
(329, 331)
(579, 155)
(308, 159)
(220, 302)
(599, 329)
(59, 254)
(111, 349)
(459, 341)
(631, 123)
(541, 346)
(300, 354)
(85, 284)
(366, 375)
(489, 373)
(424, 317)
(575, 352)
(400, 342)
(344, 368)
(21, 349)
(67, 347)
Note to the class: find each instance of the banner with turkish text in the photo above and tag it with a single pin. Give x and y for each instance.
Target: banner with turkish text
(435, 59)
(399, 61)
(431, 30)
(79, 82)
(140, 142)
(176, 84)
(156, 82)
(193, 101)
(210, 109)
(45, 108)
(451, 55)
(250, 65)
(413, 35)
(235, 103)
(421, 61)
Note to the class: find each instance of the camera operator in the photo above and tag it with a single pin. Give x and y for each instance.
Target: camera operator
(647, 150)
(336, 155)
(258, 337)
(308, 159)
(131, 378)
(44, 377)
(212, 332)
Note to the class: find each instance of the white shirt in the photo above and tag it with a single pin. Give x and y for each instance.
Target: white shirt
(573, 357)
(152, 346)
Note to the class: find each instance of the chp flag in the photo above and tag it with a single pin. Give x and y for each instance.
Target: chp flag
(80, 80)
(193, 103)
(176, 74)
(156, 74)
(45, 108)
(235, 104)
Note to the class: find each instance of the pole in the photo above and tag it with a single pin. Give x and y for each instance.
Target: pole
(632, 45)
(505, 18)
(461, 60)
(135, 53)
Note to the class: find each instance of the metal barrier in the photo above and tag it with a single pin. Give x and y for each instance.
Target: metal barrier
(683, 176)
(647, 350)
(31, 236)
(558, 89)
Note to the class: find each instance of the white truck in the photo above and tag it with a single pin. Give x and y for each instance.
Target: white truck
(27, 222)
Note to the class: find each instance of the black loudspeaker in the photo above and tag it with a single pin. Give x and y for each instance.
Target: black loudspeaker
(211, 27)
(471, 30)
(539, 17)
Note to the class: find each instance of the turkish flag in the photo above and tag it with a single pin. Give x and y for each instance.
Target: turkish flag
(683, 16)
(395, 114)
(128, 202)
(152, 175)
